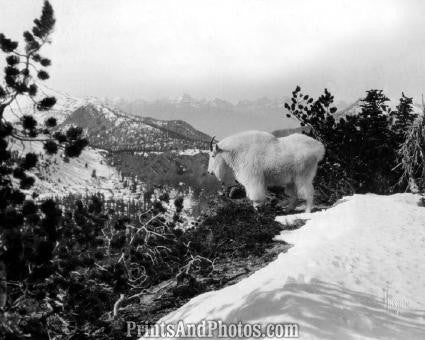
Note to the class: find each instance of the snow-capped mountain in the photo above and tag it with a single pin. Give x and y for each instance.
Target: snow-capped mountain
(110, 129)
(223, 118)
(216, 116)
(65, 105)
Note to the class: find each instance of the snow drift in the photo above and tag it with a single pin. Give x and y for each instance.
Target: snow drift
(356, 271)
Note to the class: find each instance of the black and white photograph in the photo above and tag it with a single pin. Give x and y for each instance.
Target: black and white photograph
(212, 169)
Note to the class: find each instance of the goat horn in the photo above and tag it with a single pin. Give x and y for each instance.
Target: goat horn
(211, 144)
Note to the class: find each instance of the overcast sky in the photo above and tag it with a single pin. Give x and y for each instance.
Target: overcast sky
(232, 49)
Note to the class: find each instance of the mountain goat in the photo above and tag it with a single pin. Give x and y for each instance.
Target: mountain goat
(258, 160)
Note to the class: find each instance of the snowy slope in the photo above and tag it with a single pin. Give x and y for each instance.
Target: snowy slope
(65, 105)
(55, 177)
(356, 271)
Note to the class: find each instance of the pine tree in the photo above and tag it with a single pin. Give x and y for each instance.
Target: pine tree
(28, 231)
(318, 117)
(403, 117)
(376, 144)
(408, 133)
(361, 149)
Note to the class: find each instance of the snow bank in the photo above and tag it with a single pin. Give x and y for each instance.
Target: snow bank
(356, 271)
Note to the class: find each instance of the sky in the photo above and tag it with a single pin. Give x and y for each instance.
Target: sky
(230, 49)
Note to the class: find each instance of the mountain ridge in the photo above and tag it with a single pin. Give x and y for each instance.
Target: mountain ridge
(113, 130)
(217, 116)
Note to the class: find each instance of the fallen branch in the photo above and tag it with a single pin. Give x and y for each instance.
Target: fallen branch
(117, 305)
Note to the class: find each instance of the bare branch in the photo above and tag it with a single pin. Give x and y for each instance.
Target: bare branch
(117, 305)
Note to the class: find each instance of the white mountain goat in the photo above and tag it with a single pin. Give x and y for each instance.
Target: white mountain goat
(258, 160)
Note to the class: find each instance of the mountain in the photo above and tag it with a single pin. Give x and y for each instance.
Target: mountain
(351, 109)
(110, 129)
(222, 118)
(217, 116)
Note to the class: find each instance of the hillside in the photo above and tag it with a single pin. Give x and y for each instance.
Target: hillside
(58, 176)
(167, 168)
(64, 107)
(112, 130)
(355, 271)
(157, 151)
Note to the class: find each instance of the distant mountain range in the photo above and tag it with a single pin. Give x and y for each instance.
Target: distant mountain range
(222, 118)
(216, 117)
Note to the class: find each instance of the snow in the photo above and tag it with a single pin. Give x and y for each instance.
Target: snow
(64, 107)
(356, 271)
(192, 152)
(185, 152)
(55, 177)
